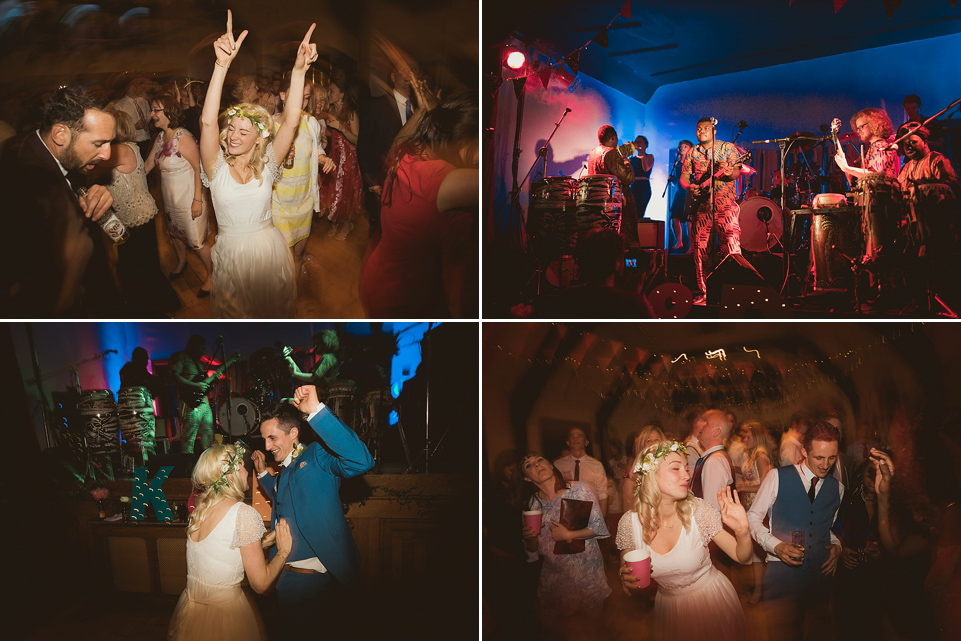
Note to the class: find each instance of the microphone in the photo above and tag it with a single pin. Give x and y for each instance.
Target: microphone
(714, 121)
(220, 340)
(742, 125)
(568, 110)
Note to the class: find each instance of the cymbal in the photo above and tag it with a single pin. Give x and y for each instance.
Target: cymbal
(804, 138)
(849, 137)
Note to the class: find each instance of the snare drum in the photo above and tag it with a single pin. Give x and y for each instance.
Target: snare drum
(879, 198)
(136, 418)
(238, 417)
(100, 426)
(761, 224)
(835, 243)
(599, 202)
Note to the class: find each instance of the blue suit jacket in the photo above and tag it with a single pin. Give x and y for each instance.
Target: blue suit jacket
(310, 489)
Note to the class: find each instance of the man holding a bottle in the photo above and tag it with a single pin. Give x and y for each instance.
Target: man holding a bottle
(54, 262)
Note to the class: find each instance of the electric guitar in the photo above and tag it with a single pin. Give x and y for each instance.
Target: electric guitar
(191, 397)
(699, 191)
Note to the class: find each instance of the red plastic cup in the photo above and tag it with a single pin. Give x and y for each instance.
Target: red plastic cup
(532, 519)
(640, 563)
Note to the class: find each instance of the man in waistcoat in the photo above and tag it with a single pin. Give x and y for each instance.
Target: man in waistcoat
(315, 587)
(802, 500)
(714, 469)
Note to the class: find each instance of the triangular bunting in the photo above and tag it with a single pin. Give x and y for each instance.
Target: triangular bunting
(573, 61)
(626, 10)
(545, 76)
(601, 38)
(838, 4)
(890, 6)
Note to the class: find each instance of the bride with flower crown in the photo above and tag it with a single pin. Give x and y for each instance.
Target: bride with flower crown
(694, 599)
(253, 270)
(225, 540)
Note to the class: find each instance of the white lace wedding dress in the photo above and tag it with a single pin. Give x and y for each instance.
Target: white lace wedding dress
(694, 601)
(254, 274)
(213, 607)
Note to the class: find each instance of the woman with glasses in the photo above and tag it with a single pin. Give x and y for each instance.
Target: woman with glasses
(177, 155)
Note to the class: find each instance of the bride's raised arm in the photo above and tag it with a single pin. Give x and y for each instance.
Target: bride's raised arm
(225, 48)
(306, 54)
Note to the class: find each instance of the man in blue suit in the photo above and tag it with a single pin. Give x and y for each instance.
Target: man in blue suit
(324, 561)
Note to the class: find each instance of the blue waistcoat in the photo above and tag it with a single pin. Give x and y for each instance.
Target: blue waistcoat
(792, 510)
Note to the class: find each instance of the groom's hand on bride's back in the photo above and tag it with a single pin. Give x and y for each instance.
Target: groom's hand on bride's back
(284, 539)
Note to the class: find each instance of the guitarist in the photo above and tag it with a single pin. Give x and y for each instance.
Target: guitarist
(188, 375)
(723, 212)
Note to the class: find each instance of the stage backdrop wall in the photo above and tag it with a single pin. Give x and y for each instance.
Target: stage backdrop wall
(774, 101)
(592, 104)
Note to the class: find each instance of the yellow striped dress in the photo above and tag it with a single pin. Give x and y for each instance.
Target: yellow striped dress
(294, 198)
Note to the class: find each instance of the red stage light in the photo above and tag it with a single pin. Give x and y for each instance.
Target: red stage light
(516, 60)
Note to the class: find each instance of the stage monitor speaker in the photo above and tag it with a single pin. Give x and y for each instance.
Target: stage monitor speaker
(739, 291)
(650, 234)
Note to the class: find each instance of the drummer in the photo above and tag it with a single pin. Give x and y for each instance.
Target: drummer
(608, 159)
(326, 346)
(135, 374)
(874, 128)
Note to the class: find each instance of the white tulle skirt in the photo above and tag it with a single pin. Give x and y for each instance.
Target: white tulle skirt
(706, 610)
(214, 613)
(254, 275)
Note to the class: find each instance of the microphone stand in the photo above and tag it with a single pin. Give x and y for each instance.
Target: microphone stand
(923, 124)
(223, 355)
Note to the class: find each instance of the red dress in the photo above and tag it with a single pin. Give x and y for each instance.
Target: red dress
(403, 273)
(341, 191)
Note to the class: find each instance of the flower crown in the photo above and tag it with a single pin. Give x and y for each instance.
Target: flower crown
(230, 466)
(239, 111)
(647, 463)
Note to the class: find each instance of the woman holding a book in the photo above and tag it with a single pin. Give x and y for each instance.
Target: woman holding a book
(572, 585)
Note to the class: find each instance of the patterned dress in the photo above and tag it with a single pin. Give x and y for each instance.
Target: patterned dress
(177, 184)
(696, 164)
(570, 583)
(294, 199)
(341, 191)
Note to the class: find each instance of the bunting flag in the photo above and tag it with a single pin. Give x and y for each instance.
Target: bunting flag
(545, 76)
(890, 6)
(626, 10)
(573, 61)
(838, 4)
(601, 38)
(519, 86)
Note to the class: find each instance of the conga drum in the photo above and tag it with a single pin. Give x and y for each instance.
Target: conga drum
(550, 216)
(98, 411)
(136, 418)
(340, 400)
(599, 203)
(835, 243)
(879, 198)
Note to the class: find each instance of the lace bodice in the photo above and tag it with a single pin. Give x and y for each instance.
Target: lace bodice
(689, 559)
(241, 204)
(131, 200)
(216, 560)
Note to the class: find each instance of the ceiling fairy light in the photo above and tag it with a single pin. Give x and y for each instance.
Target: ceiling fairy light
(719, 354)
(753, 350)
(684, 356)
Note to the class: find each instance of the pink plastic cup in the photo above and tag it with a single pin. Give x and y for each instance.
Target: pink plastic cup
(532, 519)
(640, 563)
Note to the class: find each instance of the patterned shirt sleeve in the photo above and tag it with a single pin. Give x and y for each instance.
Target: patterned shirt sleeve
(249, 529)
(271, 168)
(708, 520)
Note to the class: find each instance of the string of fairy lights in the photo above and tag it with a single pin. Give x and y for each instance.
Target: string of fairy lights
(741, 376)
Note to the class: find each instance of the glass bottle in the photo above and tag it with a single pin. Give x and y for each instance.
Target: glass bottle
(110, 223)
